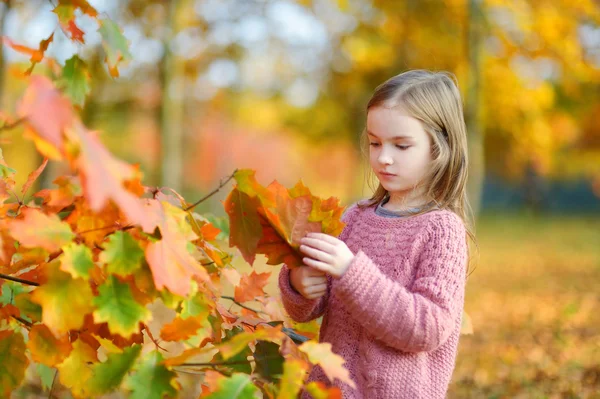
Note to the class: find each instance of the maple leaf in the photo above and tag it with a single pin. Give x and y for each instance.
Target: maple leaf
(117, 307)
(64, 300)
(107, 376)
(251, 286)
(169, 259)
(6, 179)
(182, 329)
(45, 348)
(76, 370)
(238, 386)
(272, 220)
(331, 363)
(75, 80)
(319, 390)
(76, 260)
(122, 254)
(53, 200)
(13, 361)
(47, 114)
(103, 176)
(152, 379)
(36, 229)
(36, 54)
(294, 372)
(115, 45)
(238, 342)
(33, 177)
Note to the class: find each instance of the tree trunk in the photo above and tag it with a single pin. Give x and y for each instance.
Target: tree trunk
(473, 106)
(171, 112)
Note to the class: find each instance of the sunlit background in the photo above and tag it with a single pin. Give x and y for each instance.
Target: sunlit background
(281, 87)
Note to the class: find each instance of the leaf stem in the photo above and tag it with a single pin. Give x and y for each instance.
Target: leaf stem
(18, 280)
(212, 193)
(242, 305)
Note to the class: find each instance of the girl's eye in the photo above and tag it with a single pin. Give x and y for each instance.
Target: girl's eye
(402, 147)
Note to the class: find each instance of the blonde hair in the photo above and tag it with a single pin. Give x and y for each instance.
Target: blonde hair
(434, 99)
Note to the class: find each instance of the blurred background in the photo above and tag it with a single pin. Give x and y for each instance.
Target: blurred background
(281, 87)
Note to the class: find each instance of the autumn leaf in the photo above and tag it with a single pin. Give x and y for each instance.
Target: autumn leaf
(294, 373)
(54, 200)
(76, 260)
(13, 361)
(7, 181)
(48, 114)
(238, 342)
(115, 45)
(319, 390)
(238, 386)
(170, 260)
(36, 55)
(64, 300)
(103, 176)
(75, 80)
(152, 379)
(181, 329)
(245, 226)
(122, 254)
(33, 177)
(76, 370)
(45, 348)
(272, 220)
(331, 363)
(107, 376)
(117, 307)
(36, 229)
(251, 286)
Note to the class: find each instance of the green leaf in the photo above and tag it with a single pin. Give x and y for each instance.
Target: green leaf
(241, 358)
(115, 45)
(77, 260)
(9, 290)
(75, 80)
(118, 308)
(269, 362)
(108, 376)
(13, 361)
(152, 379)
(238, 386)
(122, 254)
(46, 375)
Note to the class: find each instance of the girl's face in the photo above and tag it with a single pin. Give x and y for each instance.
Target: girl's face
(400, 146)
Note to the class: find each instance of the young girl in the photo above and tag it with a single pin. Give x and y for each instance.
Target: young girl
(391, 286)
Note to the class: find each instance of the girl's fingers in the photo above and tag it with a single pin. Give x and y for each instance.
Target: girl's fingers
(322, 245)
(332, 241)
(317, 265)
(316, 288)
(317, 280)
(316, 254)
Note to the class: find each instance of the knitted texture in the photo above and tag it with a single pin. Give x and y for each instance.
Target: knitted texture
(395, 314)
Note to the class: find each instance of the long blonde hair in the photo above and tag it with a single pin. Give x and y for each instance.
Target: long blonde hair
(434, 99)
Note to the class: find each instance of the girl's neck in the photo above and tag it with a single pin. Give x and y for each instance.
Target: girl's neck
(400, 202)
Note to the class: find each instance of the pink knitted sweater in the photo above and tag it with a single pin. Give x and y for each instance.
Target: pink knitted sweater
(395, 315)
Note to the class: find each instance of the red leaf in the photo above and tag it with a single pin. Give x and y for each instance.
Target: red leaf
(251, 286)
(33, 176)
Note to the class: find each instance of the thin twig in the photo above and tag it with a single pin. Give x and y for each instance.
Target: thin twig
(22, 321)
(52, 386)
(242, 305)
(8, 126)
(226, 363)
(18, 280)
(212, 193)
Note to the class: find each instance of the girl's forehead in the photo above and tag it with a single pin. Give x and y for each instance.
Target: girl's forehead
(390, 123)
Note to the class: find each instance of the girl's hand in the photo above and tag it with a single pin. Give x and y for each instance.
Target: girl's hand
(309, 282)
(326, 253)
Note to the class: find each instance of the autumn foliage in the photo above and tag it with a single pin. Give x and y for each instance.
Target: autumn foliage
(81, 262)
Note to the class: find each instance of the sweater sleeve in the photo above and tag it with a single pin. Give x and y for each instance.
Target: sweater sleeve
(302, 309)
(421, 318)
